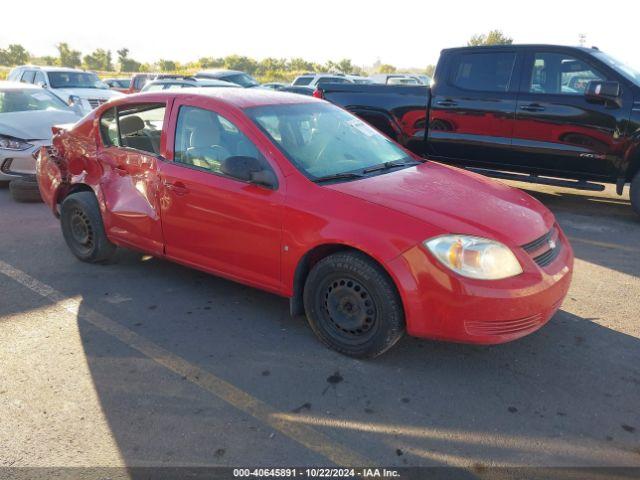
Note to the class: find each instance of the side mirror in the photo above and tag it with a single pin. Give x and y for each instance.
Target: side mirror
(249, 169)
(599, 90)
(41, 84)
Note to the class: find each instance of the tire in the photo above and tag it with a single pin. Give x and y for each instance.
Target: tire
(634, 193)
(353, 306)
(25, 190)
(83, 229)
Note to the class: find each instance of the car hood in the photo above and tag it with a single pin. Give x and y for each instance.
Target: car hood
(35, 124)
(102, 94)
(451, 200)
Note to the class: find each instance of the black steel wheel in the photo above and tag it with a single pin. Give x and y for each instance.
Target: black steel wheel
(83, 229)
(353, 306)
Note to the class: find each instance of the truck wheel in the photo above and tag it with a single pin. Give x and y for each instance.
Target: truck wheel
(25, 190)
(83, 229)
(634, 193)
(353, 306)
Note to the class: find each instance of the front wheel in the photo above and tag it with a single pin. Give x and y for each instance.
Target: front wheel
(353, 306)
(83, 229)
(634, 193)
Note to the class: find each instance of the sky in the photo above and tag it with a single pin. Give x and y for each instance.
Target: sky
(404, 33)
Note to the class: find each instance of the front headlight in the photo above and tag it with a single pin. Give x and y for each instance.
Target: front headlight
(10, 143)
(475, 257)
(74, 100)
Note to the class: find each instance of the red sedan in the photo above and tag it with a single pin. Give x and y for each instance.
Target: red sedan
(298, 197)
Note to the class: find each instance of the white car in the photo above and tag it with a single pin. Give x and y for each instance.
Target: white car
(27, 114)
(312, 80)
(82, 91)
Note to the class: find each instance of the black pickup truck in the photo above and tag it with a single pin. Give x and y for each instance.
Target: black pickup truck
(565, 116)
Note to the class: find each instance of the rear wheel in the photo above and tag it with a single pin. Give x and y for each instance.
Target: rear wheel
(25, 190)
(634, 194)
(83, 229)
(352, 305)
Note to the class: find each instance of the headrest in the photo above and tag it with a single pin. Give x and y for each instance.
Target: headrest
(131, 124)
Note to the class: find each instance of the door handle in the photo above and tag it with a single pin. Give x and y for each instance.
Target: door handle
(178, 187)
(533, 107)
(447, 103)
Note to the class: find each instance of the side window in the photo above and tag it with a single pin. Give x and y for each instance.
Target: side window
(205, 139)
(483, 72)
(560, 74)
(109, 128)
(140, 126)
(27, 76)
(136, 126)
(139, 82)
(38, 79)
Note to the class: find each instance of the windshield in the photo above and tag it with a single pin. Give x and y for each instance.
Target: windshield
(624, 69)
(29, 100)
(322, 140)
(241, 79)
(75, 80)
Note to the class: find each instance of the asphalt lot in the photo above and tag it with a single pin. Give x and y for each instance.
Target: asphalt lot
(144, 362)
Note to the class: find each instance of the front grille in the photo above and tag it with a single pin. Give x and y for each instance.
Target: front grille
(509, 327)
(545, 249)
(95, 102)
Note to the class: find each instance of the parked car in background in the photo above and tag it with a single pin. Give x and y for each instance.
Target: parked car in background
(312, 80)
(360, 79)
(118, 84)
(173, 84)
(364, 237)
(139, 80)
(555, 115)
(27, 114)
(423, 79)
(273, 85)
(233, 76)
(83, 91)
(395, 79)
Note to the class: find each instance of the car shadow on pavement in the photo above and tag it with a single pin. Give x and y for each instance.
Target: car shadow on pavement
(565, 395)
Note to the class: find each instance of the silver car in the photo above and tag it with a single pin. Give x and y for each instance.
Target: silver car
(27, 114)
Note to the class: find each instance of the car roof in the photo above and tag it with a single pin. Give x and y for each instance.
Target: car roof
(237, 97)
(220, 71)
(7, 85)
(51, 69)
(522, 46)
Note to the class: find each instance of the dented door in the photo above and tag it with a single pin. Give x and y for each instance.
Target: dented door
(130, 190)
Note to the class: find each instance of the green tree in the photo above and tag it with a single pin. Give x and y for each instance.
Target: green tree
(386, 68)
(167, 65)
(238, 62)
(14, 54)
(98, 60)
(494, 37)
(211, 62)
(300, 65)
(125, 63)
(67, 56)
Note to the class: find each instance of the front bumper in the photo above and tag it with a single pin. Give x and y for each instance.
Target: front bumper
(19, 163)
(440, 304)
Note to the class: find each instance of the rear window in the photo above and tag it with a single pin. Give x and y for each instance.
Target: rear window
(302, 81)
(483, 72)
(332, 80)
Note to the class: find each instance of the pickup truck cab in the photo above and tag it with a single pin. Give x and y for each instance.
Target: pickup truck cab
(566, 116)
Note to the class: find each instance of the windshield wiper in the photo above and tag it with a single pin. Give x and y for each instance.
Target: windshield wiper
(338, 176)
(389, 165)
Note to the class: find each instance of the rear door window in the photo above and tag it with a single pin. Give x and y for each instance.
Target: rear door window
(561, 74)
(484, 72)
(137, 126)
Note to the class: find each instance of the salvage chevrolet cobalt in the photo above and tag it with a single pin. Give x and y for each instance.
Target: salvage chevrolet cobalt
(298, 197)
